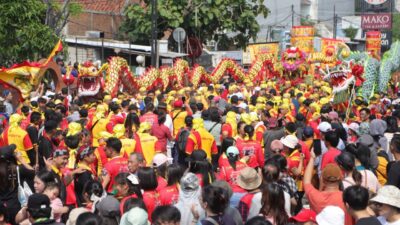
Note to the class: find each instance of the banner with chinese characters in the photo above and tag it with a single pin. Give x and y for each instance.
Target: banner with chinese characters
(253, 50)
(303, 38)
(325, 42)
(373, 43)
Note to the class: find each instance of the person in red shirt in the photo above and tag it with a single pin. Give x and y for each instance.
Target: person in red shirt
(127, 186)
(331, 141)
(160, 163)
(199, 165)
(149, 116)
(251, 148)
(169, 195)
(115, 165)
(230, 168)
(148, 183)
(162, 133)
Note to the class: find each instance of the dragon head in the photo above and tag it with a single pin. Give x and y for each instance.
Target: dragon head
(89, 79)
(292, 59)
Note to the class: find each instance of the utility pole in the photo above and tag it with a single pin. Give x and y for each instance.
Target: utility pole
(154, 33)
(292, 15)
(334, 22)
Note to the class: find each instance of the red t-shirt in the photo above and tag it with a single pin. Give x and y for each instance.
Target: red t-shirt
(162, 183)
(169, 195)
(151, 201)
(150, 118)
(228, 174)
(329, 157)
(253, 150)
(115, 166)
(162, 133)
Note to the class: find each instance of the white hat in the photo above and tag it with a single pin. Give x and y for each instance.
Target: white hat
(135, 216)
(242, 105)
(331, 215)
(290, 141)
(388, 195)
(257, 89)
(324, 127)
(354, 127)
(159, 159)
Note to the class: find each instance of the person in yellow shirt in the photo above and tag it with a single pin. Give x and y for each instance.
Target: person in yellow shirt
(128, 144)
(178, 115)
(208, 143)
(147, 141)
(14, 134)
(98, 124)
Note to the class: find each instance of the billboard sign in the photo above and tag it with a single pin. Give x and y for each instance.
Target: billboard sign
(375, 2)
(376, 21)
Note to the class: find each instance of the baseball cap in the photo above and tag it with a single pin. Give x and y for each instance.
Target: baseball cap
(135, 216)
(178, 103)
(305, 215)
(290, 141)
(232, 150)
(38, 201)
(257, 89)
(324, 127)
(331, 173)
(354, 127)
(108, 207)
(189, 182)
(159, 159)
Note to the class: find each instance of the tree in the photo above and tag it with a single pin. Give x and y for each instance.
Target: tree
(58, 13)
(227, 21)
(350, 32)
(24, 34)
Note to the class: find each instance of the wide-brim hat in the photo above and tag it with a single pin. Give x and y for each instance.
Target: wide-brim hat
(388, 195)
(249, 179)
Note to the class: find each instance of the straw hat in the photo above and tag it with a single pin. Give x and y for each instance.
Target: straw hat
(249, 179)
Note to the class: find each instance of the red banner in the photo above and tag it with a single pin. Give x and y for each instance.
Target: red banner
(373, 43)
(376, 21)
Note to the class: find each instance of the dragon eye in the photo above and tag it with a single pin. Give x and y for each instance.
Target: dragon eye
(93, 70)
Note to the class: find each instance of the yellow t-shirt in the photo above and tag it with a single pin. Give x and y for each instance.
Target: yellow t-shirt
(98, 127)
(17, 135)
(207, 141)
(148, 144)
(179, 120)
(128, 146)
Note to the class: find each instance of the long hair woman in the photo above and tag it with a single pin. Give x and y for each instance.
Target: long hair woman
(132, 124)
(199, 165)
(169, 195)
(148, 183)
(273, 204)
(127, 186)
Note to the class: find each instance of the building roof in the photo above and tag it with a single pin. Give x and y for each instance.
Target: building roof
(109, 6)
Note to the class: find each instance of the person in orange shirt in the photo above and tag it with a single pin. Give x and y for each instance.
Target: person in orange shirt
(285, 113)
(116, 163)
(208, 143)
(147, 142)
(178, 115)
(14, 134)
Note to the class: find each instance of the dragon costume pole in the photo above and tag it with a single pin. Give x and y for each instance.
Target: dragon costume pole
(350, 103)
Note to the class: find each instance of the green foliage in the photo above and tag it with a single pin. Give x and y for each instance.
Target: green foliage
(205, 19)
(351, 32)
(396, 27)
(23, 35)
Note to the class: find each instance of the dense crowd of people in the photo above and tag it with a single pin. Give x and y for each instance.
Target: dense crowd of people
(232, 153)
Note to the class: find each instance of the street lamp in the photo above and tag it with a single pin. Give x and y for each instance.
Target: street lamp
(154, 33)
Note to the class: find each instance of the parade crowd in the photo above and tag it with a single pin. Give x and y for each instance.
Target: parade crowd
(231, 153)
